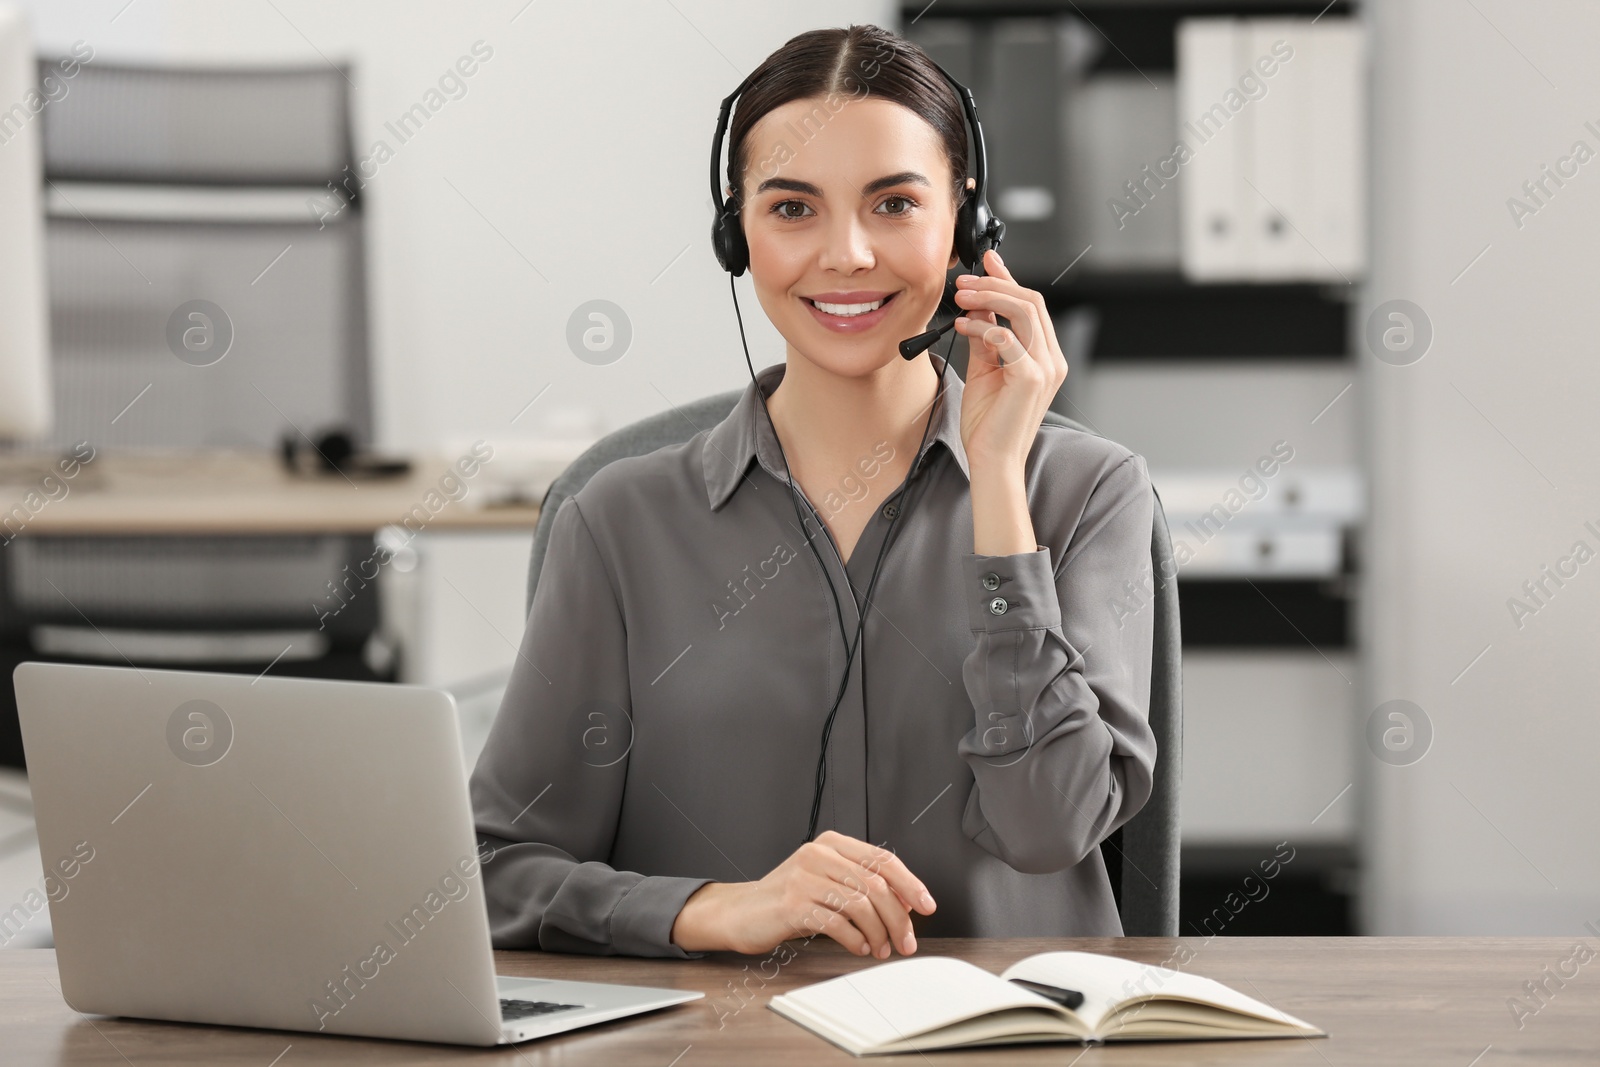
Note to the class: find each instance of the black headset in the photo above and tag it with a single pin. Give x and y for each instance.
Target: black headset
(334, 452)
(977, 230)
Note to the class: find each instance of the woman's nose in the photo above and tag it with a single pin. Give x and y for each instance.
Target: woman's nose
(847, 247)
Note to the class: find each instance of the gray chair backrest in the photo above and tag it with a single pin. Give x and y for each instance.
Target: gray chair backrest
(1141, 856)
(125, 271)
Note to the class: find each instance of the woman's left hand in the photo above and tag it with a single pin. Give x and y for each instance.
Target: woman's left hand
(1012, 374)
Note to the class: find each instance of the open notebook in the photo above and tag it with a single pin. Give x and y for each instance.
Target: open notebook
(936, 1002)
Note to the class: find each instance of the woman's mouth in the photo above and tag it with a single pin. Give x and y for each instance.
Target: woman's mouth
(849, 313)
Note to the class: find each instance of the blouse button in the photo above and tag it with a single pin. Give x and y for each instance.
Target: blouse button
(998, 605)
(991, 581)
(890, 511)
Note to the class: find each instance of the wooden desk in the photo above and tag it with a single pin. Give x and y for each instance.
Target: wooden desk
(1410, 1001)
(249, 492)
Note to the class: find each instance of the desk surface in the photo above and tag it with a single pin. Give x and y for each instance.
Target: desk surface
(1410, 1001)
(245, 492)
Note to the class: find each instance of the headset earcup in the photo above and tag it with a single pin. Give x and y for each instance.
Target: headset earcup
(991, 229)
(967, 233)
(727, 240)
(986, 230)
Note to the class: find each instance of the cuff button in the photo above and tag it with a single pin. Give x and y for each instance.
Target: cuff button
(998, 606)
(991, 581)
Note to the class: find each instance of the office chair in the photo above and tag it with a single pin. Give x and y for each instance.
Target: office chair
(165, 186)
(1141, 857)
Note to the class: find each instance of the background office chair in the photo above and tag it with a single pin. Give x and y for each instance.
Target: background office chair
(1141, 856)
(163, 186)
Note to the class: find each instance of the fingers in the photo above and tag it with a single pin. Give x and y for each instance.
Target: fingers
(999, 279)
(838, 926)
(861, 904)
(846, 914)
(877, 908)
(983, 297)
(909, 887)
(996, 266)
(1022, 313)
(1009, 350)
(822, 904)
(865, 898)
(879, 893)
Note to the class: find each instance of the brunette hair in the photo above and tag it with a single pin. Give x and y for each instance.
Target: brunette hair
(854, 63)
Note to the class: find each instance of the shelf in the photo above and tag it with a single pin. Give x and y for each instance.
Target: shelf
(1264, 613)
(1140, 33)
(1163, 316)
(1311, 895)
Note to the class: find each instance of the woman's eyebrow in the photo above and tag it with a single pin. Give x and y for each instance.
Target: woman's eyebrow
(905, 177)
(788, 185)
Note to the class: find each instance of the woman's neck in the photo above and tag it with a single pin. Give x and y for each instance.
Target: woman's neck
(827, 422)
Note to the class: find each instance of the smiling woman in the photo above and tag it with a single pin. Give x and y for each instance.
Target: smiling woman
(881, 111)
(964, 785)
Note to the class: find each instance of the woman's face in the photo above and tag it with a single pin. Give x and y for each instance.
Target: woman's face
(847, 204)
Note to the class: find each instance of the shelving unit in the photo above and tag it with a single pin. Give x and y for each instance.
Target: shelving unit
(1270, 657)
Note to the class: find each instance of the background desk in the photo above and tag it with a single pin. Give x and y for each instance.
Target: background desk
(453, 617)
(456, 618)
(240, 492)
(1411, 1001)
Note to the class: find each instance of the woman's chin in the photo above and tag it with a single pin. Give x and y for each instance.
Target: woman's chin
(857, 358)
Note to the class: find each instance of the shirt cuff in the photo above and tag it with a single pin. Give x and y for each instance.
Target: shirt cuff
(642, 923)
(1015, 592)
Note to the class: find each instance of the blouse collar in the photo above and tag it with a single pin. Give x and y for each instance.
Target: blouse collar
(747, 434)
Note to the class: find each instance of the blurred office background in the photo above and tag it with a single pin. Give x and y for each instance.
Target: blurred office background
(1371, 273)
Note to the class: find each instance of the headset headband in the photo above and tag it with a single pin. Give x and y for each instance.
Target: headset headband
(969, 108)
(716, 144)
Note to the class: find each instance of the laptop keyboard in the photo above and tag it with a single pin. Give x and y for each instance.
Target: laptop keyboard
(523, 1009)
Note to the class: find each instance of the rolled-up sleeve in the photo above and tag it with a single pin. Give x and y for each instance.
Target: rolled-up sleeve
(547, 789)
(1061, 750)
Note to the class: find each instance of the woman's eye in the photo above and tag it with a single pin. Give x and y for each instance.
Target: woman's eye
(905, 204)
(783, 209)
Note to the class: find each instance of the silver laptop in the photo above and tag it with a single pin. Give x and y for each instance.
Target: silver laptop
(274, 852)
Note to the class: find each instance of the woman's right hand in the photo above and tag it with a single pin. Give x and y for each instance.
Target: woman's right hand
(858, 894)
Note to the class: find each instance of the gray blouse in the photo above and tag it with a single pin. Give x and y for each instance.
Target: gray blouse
(663, 721)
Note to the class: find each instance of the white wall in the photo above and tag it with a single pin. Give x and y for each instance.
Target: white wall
(584, 141)
(1484, 463)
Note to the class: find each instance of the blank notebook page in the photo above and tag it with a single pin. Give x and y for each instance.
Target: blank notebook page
(896, 1000)
(1104, 980)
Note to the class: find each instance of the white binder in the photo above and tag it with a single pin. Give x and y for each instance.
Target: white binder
(1212, 229)
(1275, 181)
(1274, 113)
(1338, 156)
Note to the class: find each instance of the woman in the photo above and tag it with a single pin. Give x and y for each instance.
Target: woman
(650, 774)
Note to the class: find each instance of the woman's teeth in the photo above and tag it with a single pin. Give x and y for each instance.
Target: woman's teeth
(847, 310)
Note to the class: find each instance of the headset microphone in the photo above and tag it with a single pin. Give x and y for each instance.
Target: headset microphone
(912, 347)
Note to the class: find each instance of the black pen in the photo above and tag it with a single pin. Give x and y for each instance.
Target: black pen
(1067, 998)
